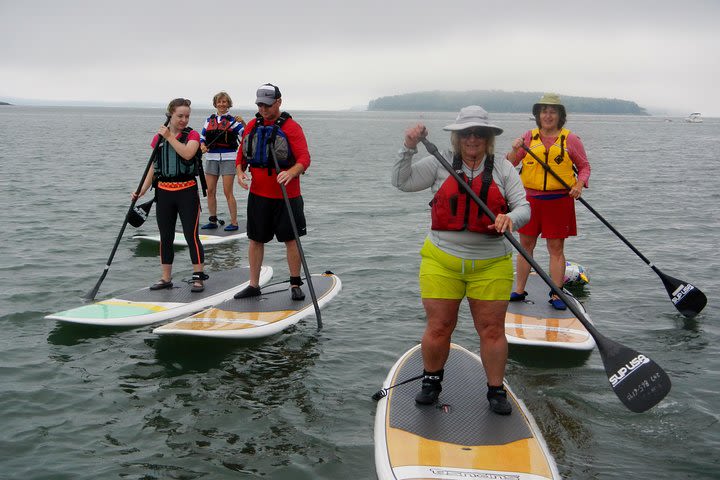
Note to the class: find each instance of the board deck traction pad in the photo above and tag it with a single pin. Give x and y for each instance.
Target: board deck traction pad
(461, 417)
(144, 302)
(562, 325)
(469, 420)
(274, 299)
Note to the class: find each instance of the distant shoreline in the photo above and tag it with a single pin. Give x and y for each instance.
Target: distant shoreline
(499, 101)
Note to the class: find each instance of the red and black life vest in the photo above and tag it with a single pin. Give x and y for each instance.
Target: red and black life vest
(453, 209)
(219, 134)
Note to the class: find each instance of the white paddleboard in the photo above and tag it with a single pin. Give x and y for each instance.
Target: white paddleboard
(271, 312)
(207, 237)
(145, 306)
(535, 322)
(459, 437)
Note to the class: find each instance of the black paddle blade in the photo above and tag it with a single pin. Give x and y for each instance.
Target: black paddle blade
(638, 381)
(138, 214)
(686, 297)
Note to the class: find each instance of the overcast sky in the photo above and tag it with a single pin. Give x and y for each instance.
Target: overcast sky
(337, 55)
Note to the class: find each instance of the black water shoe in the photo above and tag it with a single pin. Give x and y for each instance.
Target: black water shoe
(198, 282)
(296, 293)
(497, 396)
(431, 388)
(248, 292)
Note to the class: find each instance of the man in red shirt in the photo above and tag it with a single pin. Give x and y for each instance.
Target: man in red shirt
(272, 133)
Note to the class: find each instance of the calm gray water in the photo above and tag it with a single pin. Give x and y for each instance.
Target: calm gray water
(87, 403)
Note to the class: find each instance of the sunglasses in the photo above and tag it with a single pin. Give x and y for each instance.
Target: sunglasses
(477, 132)
(265, 105)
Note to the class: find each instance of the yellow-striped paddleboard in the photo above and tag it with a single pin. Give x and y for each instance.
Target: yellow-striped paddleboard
(535, 322)
(459, 437)
(271, 312)
(145, 306)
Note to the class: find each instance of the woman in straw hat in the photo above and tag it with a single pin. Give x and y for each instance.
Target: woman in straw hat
(553, 205)
(465, 254)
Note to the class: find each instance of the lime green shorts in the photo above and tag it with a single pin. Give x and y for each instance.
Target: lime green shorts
(445, 276)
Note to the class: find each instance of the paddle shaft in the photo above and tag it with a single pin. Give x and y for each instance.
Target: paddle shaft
(91, 294)
(691, 305)
(299, 246)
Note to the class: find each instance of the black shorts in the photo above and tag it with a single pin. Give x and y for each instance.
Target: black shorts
(268, 218)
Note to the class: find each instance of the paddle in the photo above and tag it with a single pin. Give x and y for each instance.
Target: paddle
(91, 294)
(638, 381)
(687, 298)
(299, 245)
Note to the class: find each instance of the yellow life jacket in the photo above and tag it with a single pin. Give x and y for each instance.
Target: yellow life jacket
(534, 175)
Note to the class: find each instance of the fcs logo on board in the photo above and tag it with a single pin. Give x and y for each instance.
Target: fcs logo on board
(680, 293)
(627, 369)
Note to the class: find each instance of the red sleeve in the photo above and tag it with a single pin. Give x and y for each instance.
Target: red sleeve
(193, 135)
(298, 143)
(576, 150)
(154, 140)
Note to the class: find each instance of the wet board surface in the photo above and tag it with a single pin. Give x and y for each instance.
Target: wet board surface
(207, 237)
(273, 311)
(145, 306)
(459, 437)
(535, 322)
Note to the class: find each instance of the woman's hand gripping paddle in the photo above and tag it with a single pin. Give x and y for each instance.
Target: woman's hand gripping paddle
(91, 294)
(686, 297)
(638, 381)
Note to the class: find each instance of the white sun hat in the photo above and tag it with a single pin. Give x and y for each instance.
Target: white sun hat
(473, 116)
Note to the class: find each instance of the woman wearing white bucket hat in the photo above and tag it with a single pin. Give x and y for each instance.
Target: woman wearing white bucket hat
(553, 206)
(464, 254)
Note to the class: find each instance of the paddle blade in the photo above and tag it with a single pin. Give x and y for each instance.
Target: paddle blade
(138, 214)
(686, 297)
(638, 381)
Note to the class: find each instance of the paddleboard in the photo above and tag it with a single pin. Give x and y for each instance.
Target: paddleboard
(459, 437)
(207, 237)
(535, 322)
(145, 306)
(271, 312)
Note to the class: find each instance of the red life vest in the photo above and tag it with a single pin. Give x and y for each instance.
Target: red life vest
(219, 135)
(453, 209)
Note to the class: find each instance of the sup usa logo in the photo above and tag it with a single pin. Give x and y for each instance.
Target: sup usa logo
(680, 292)
(624, 371)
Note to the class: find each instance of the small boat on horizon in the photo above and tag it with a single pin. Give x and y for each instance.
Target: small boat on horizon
(694, 117)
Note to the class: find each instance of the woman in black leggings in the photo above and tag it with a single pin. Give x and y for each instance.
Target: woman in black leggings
(173, 174)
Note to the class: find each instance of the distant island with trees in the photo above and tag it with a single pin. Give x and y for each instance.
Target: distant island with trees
(499, 101)
(5, 103)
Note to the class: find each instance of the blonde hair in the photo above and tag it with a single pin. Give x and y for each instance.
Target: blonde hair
(489, 144)
(220, 95)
